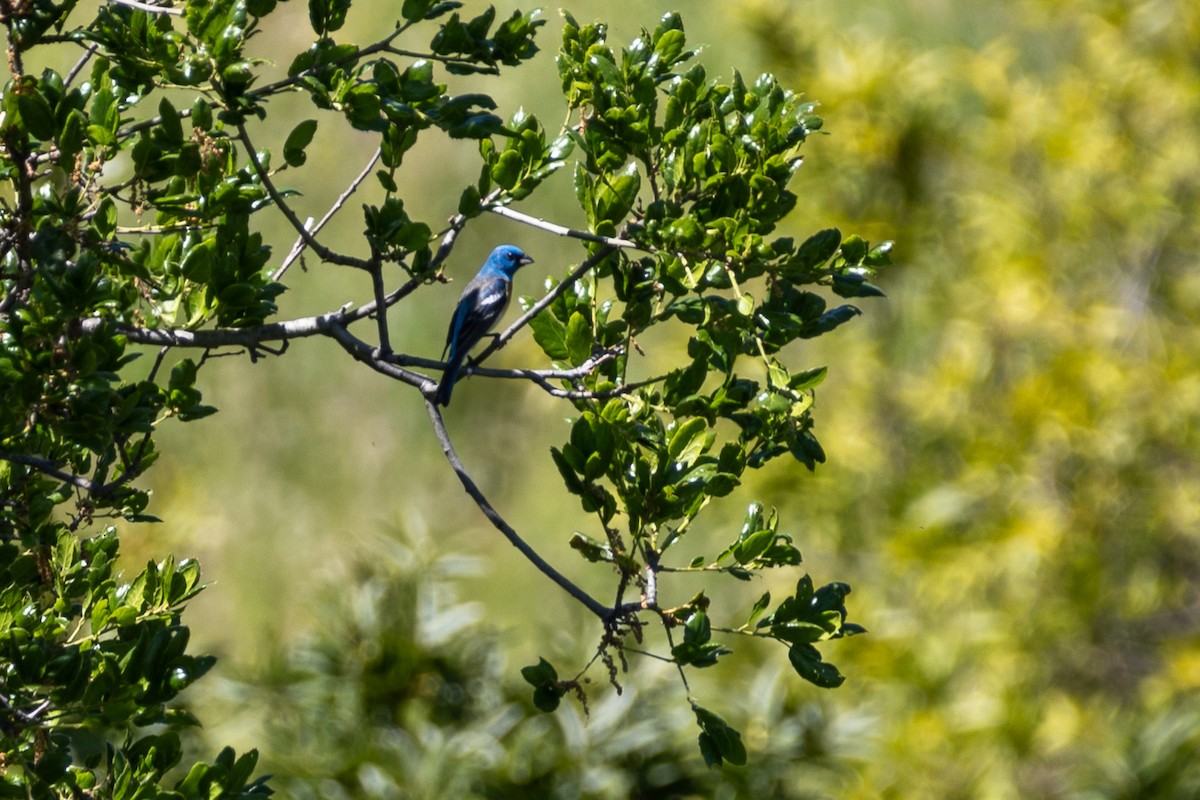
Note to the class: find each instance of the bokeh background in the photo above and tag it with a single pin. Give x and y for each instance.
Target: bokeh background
(1013, 485)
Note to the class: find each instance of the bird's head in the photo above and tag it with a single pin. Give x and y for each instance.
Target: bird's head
(507, 259)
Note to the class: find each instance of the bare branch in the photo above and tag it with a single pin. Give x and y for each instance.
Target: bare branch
(47, 467)
(301, 243)
(562, 230)
(152, 9)
(439, 427)
(229, 337)
(88, 52)
(321, 250)
(377, 360)
(542, 377)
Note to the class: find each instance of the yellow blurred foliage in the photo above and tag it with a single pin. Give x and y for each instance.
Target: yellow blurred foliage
(1015, 458)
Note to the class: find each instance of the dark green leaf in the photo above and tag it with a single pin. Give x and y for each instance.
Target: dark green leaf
(300, 137)
(816, 250)
(808, 665)
(718, 741)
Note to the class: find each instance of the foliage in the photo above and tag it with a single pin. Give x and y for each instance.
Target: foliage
(134, 217)
(394, 693)
(1018, 455)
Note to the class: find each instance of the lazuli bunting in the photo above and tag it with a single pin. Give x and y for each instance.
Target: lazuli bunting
(482, 304)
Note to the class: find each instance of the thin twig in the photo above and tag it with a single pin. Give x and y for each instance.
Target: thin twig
(88, 52)
(562, 230)
(590, 603)
(682, 675)
(152, 9)
(321, 250)
(301, 243)
(381, 324)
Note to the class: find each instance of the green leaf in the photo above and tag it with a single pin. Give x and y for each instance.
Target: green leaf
(415, 10)
(36, 114)
(105, 221)
(880, 255)
(300, 137)
(469, 202)
(718, 741)
(547, 698)
(760, 605)
(799, 632)
(614, 199)
(507, 169)
(753, 546)
(327, 16)
(540, 674)
(544, 678)
(853, 284)
(808, 379)
(551, 336)
(670, 46)
(853, 249)
(591, 549)
(688, 441)
(170, 125)
(578, 338)
(806, 660)
(70, 138)
(816, 250)
(698, 630)
(721, 484)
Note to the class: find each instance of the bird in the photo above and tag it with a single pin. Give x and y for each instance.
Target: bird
(482, 304)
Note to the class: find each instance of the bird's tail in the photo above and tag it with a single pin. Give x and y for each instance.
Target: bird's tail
(449, 377)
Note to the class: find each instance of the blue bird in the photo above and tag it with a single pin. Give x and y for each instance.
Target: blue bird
(482, 304)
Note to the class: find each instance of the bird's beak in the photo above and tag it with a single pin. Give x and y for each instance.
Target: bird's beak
(526, 260)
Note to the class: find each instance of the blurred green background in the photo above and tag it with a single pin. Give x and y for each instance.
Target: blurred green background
(1013, 486)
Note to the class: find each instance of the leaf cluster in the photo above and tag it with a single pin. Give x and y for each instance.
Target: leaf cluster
(696, 172)
(137, 192)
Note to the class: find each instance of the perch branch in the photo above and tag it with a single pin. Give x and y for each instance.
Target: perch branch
(590, 603)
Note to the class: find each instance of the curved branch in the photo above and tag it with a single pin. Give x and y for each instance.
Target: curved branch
(377, 360)
(590, 603)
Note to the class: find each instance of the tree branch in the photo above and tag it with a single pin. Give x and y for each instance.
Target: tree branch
(562, 230)
(301, 243)
(48, 467)
(377, 360)
(590, 603)
(321, 250)
(150, 8)
(320, 324)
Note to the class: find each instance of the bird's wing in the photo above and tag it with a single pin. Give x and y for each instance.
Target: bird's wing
(481, 305)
